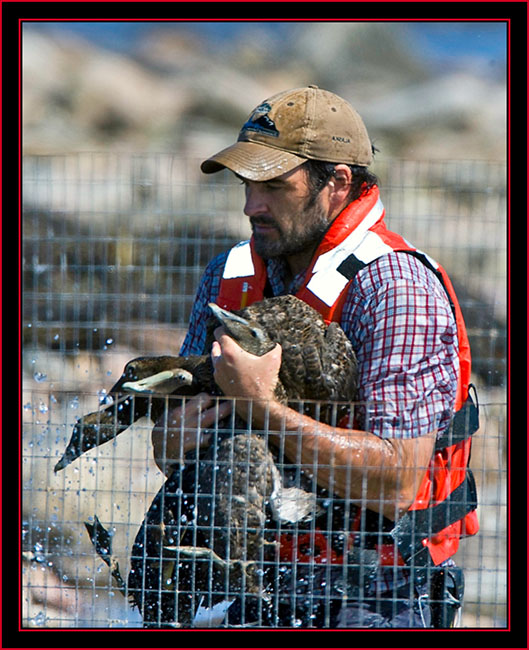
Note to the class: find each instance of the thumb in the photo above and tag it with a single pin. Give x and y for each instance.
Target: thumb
(216, 351)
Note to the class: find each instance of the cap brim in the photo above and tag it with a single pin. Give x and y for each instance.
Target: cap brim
(253, 161)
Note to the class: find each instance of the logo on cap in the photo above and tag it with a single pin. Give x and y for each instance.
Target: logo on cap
(260, 122)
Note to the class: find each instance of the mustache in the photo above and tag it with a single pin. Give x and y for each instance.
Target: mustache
(263, 221)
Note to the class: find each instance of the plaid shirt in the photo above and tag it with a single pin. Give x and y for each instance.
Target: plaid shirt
(404, 334)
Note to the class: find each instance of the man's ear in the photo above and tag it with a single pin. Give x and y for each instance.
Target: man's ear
(340, 184)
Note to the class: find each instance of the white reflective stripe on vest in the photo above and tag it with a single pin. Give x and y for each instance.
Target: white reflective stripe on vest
(239, 263)
(327, 283)
(371, 248)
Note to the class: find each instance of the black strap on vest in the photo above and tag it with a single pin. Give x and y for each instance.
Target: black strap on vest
(418, 525)
(350, 266)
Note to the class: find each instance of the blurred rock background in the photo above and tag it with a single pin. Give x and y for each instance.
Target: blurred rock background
(119, 223)
(426, 91)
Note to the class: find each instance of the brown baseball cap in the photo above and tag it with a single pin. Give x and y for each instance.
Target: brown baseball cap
(291, 127)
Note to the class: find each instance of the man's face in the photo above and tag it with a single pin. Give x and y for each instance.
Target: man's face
(285, 219)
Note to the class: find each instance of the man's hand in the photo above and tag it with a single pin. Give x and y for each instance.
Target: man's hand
(241, 374)
(182, 430)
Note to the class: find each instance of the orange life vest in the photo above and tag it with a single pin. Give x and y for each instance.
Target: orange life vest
(357, 237)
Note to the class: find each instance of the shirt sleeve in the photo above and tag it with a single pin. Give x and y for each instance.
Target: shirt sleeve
(399, 320)
(208, 291)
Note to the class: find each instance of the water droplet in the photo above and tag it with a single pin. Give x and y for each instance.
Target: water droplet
(28, 407)
(39, 376)
(39, 619)
(38, 550)
(109, 341)
(74, 402)
(56, 337)
(43, 408)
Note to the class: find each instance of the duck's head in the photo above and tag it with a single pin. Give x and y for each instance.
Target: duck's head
(249, 335)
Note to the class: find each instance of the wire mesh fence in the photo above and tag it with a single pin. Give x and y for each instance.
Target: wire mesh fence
(113, 249)
(110, 240)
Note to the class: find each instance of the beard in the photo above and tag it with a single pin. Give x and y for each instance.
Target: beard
(304, 230)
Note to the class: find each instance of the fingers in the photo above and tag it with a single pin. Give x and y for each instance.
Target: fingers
(185, 428)
(224, 409)
(192, 406)
(207, 409)
(197, 405)
(202, 410)
(209, 416)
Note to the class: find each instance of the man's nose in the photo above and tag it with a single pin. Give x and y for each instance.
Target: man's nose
(255, 203)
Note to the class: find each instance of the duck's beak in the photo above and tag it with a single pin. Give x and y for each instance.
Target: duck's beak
(165, 382)
(226, 317)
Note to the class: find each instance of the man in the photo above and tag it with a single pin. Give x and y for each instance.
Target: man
(318, 232)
